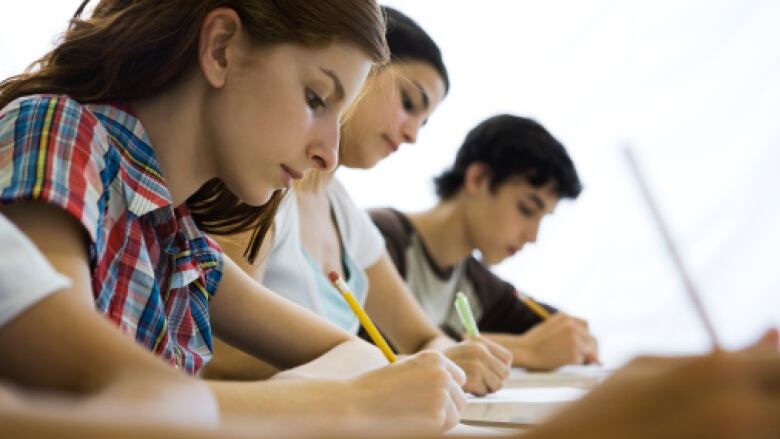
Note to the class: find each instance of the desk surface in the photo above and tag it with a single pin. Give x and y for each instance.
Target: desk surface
(484, 430)
(530, 397)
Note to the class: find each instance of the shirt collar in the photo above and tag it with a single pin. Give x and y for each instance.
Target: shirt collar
(145, 185)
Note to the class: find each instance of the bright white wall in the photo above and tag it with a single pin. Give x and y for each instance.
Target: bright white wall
(693, 85)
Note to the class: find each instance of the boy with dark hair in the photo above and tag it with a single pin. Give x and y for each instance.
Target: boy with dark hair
(508, 174)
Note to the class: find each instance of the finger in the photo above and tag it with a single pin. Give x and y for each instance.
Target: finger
(451, 414)
(769, 341)
(581, 322)
(556, 319)
(454, 370)
(490, 374)
(582, 330)
(502, 353)
(457, 396)
(580, 350)
(454, 405)
(493, 382)
(476, 386)
(592, 351)
(592, 359)
(495, 365)
(484, 372)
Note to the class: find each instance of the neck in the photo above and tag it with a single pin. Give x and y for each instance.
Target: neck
(173, 122)
(443, 230)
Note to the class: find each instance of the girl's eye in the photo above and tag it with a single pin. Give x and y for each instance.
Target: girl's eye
(525, 210)
(313, 100)
(407, 102)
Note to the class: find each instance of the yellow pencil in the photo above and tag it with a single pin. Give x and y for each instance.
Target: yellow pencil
(539, 310)
(368, 325)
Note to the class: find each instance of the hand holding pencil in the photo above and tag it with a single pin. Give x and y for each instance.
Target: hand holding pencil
(415, 383)
(558, 340)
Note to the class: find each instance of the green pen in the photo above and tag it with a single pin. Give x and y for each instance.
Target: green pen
(465, 314)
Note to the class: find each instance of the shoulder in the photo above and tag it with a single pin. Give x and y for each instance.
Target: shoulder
(360, 236)
(489, 287)
(479, 272)
(351, 218)
(54, 149)
(339, 197)
(397, 231)
(45, 113)
(57, 125)
(393, 224)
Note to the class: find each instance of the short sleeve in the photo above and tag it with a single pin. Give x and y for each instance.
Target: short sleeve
(26, 277)
(396, 232)
(502, 311)
(52, 149)
(362, 239)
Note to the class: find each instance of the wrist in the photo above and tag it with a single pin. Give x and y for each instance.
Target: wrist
(522, 353)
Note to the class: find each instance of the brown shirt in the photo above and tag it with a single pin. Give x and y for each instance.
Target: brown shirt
(497, 308)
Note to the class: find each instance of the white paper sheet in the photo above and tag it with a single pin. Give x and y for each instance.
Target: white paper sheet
(531, 395)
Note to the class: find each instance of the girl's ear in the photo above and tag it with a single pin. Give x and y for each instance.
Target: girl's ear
(219, 44)
(477, 178)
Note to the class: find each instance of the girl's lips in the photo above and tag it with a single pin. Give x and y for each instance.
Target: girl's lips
(390, 144)
(288, 175)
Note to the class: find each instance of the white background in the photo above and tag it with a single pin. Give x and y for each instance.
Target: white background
(694, 86)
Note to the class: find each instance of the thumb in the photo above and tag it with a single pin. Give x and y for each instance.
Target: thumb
(769, 342)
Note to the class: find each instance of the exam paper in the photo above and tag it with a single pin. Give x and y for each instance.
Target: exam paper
(530, 395)
(568, 376)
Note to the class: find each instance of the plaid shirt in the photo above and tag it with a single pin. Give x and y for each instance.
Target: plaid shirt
(153, 270)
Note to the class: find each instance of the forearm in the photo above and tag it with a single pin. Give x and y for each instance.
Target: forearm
(229, 363)
(265, 325)
(284, 398)
(96, 362)
(179, 399)
(63, 423)
(439, 343)
(340, 362)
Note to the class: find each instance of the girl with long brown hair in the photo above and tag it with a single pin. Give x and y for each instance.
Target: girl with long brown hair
(155, 122)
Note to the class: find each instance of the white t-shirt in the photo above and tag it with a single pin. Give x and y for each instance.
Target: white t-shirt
(291, 273)
(26, 276)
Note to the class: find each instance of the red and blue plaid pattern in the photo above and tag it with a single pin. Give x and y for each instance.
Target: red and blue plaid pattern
(153, 270)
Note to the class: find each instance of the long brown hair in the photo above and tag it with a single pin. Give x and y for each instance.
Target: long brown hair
(132, 49)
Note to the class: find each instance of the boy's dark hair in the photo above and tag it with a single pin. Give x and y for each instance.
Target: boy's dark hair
(512, 146)
(409, 42)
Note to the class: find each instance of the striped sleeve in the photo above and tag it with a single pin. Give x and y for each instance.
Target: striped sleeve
(52, 149)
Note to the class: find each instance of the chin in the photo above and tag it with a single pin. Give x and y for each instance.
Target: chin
(365, 163)
(492, 259)
(257, 198)
(371, 163)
